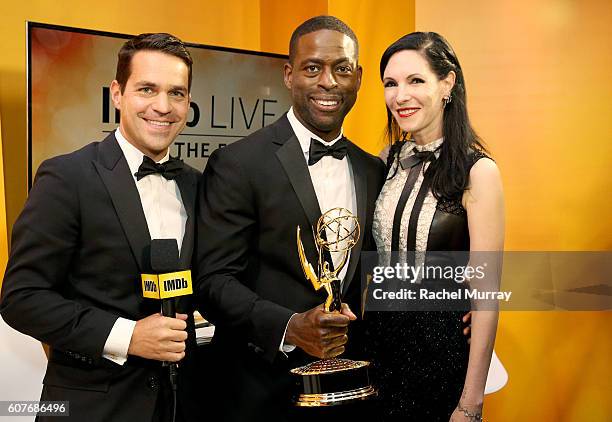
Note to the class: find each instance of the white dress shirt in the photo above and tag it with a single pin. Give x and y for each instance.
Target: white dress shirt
(166, 217)
(333, 183)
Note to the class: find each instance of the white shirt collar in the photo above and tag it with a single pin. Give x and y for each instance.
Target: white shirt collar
(133, 154)
(304, 135)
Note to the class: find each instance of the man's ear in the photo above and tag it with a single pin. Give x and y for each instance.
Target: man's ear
(359, 75)
(115, 90)
(287, 72)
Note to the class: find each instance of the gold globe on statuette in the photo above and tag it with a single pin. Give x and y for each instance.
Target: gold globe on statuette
(334, 381)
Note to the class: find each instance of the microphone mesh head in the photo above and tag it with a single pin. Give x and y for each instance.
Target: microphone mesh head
(164, 255)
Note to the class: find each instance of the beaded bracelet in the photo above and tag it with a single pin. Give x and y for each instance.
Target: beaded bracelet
(476, 415)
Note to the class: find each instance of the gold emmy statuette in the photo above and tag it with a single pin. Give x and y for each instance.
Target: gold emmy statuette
(335, 381)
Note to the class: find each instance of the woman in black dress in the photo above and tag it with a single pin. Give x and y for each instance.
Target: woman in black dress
(443, 193)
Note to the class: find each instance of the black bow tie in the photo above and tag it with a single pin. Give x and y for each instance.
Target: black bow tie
(417, 158)
(318, 150)
(170, 169)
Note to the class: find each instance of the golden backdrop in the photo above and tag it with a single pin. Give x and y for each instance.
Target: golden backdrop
(537, 76)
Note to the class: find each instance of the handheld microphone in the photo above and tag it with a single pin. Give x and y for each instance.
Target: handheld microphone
(166, 284)
(165, 259)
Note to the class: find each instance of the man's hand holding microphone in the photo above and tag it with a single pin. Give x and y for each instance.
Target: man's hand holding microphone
(160, 338)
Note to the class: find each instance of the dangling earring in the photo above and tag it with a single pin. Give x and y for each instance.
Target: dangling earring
(447, 99)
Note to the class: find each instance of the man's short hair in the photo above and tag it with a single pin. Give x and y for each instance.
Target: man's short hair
(160, 41)
(316, 24)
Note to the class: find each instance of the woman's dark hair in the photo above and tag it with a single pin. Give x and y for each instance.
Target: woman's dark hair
(450, 176)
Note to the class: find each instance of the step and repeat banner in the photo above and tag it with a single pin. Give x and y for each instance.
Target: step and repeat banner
(234, 92)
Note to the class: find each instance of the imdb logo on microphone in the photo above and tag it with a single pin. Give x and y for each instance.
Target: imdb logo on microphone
(164, 286)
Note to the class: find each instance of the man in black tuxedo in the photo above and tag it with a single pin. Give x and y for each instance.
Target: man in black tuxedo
(83, 239)
(254, 193)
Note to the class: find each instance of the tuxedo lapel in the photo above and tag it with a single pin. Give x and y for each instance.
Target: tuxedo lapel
(186, 182)
(292, 159)
(358, 170)
(115, 174)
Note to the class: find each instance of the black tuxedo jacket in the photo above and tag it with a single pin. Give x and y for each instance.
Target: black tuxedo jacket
(254, 194)
(78, 249)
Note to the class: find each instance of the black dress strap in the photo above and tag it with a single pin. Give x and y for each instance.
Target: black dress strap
(454, 205)
(473, 156)
(401, 204)
(415, 163)
(416, 210)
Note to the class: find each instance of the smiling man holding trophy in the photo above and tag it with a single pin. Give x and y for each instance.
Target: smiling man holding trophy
(254, 194)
